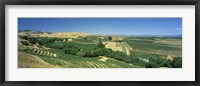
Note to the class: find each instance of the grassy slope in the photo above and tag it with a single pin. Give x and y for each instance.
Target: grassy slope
(26, 60)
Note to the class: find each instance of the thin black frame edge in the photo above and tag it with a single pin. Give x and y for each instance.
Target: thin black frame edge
(98, 2)
(197, 41)
(98, 83)
(2, 42)
(102, 2)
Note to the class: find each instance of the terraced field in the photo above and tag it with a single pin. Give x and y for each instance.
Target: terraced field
(71, 61)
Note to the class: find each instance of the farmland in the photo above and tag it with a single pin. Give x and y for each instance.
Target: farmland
(80, 50)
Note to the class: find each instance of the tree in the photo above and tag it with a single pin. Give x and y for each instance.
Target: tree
(168, 63)
(79, 53)
(109, 38)
(25, 37)
(25, 43)
(100, 45)
(177, 62)
(33, 40)
(71, 51)
(151, 65)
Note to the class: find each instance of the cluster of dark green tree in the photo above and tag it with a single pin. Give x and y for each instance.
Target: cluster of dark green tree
(98, 51)
(97, 38)
(160, 62)
(70, 49)
(157, 60)
(26, 43)
(41, 40)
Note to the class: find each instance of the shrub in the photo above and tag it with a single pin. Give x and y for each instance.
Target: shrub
(151, 65)
(25, 37)
(70, 49)
(109, 38)
(100, 45)
(137, 61)
(158, 61)
(33, 40)
(79, 53)
(177, 62)
(25, 43)
(168, 63)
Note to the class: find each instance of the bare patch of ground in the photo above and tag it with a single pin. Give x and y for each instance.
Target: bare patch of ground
(117, 46)
(169, 57)
(103, 58)
(114, 46)
(115, 38)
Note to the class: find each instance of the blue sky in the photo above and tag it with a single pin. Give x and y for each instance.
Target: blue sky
(123, 26)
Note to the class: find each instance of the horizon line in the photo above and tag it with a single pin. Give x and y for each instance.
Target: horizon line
(106, 34)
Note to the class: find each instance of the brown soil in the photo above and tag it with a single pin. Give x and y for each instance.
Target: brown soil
(103, 58)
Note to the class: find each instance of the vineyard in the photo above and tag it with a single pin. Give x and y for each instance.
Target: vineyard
(92, 51)
(70, 61)
(149, 46)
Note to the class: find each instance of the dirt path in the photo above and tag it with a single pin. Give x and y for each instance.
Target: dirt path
(127, 51)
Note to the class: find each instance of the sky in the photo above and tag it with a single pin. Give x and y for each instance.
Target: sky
(122, 26)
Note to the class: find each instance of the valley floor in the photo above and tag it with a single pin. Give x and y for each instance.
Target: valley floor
(31, 60)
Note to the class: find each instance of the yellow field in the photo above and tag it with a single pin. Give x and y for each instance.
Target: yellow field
(169, 41)
(117, 46)
(57, 35)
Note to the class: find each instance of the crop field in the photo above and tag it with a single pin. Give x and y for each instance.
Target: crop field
(148, 45)
(99, 52)
(71, 61)
(83, 46)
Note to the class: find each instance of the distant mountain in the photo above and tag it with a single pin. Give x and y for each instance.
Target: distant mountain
(24, 31)
(179, 36)
(76, 34)
(54, 34)
(34, 32)
(143, 35)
